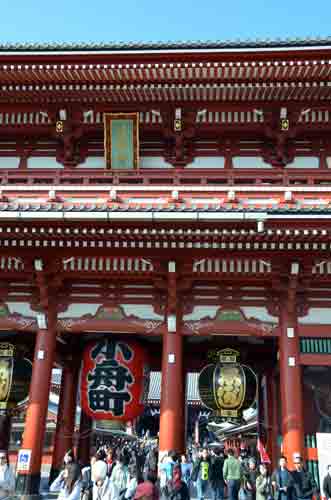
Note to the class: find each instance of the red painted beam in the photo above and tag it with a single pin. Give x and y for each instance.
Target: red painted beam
(315, 359)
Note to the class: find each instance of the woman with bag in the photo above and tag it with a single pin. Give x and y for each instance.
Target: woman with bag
(263, 484)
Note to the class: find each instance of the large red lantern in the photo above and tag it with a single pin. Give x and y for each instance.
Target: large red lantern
(115, 380)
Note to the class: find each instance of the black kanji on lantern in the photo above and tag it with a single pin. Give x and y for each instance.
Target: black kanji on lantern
(110, 373)
(109, 380)
(107, 400)
(110, 348)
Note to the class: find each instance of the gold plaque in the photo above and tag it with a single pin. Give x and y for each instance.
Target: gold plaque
(6, 350)
(229, 413)
(229, 356)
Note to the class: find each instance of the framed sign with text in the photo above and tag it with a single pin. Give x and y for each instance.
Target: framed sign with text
(121, 140)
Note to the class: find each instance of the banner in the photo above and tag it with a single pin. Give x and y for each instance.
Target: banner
(264, 457)
(121, 132)
(323, 441)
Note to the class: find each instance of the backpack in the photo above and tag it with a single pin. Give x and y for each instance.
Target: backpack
(195, 471)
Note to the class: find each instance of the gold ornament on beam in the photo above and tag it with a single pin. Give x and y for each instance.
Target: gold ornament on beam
(178, 125)
(284, 124)
(59, 127)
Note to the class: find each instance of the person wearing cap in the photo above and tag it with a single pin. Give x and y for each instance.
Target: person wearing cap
(281, 480)
(103, 487)
(304, 486)
(250, 477)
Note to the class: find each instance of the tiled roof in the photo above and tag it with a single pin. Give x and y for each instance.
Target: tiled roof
(192, 392)
(285, 209)
(166, 45)
(154, 393)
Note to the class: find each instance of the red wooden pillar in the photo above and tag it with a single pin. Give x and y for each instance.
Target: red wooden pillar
(290, 383)
(65, 424)
(36, 417)
(172, 419)
(172, 394)
(274, 419)
(271, 402)
(84, 443)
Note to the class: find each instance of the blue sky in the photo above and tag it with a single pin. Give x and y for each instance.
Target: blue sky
(124, 20)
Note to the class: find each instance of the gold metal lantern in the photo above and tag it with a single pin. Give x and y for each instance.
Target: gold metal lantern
(15, 376)
(227, 387)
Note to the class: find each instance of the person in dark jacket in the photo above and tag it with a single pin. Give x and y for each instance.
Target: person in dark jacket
(304, 486)
(151, 463)
(217, 480)
(282, 481)
(327, 484)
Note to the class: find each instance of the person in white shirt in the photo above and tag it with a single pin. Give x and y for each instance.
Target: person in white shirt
(132, 482)
(120, 475)
(68, 483)
(103, 487)
(7, 478)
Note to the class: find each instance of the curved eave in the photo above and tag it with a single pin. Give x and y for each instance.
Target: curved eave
(288, 49)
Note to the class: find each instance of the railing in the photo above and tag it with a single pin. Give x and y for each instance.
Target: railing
(195, 177)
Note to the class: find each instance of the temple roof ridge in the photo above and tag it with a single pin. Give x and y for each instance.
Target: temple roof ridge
(260, 43)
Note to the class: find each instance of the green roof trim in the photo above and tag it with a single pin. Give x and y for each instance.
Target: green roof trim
(166, 45)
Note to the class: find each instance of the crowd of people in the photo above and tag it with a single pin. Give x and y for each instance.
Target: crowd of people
(123, 470)
(132, 471)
